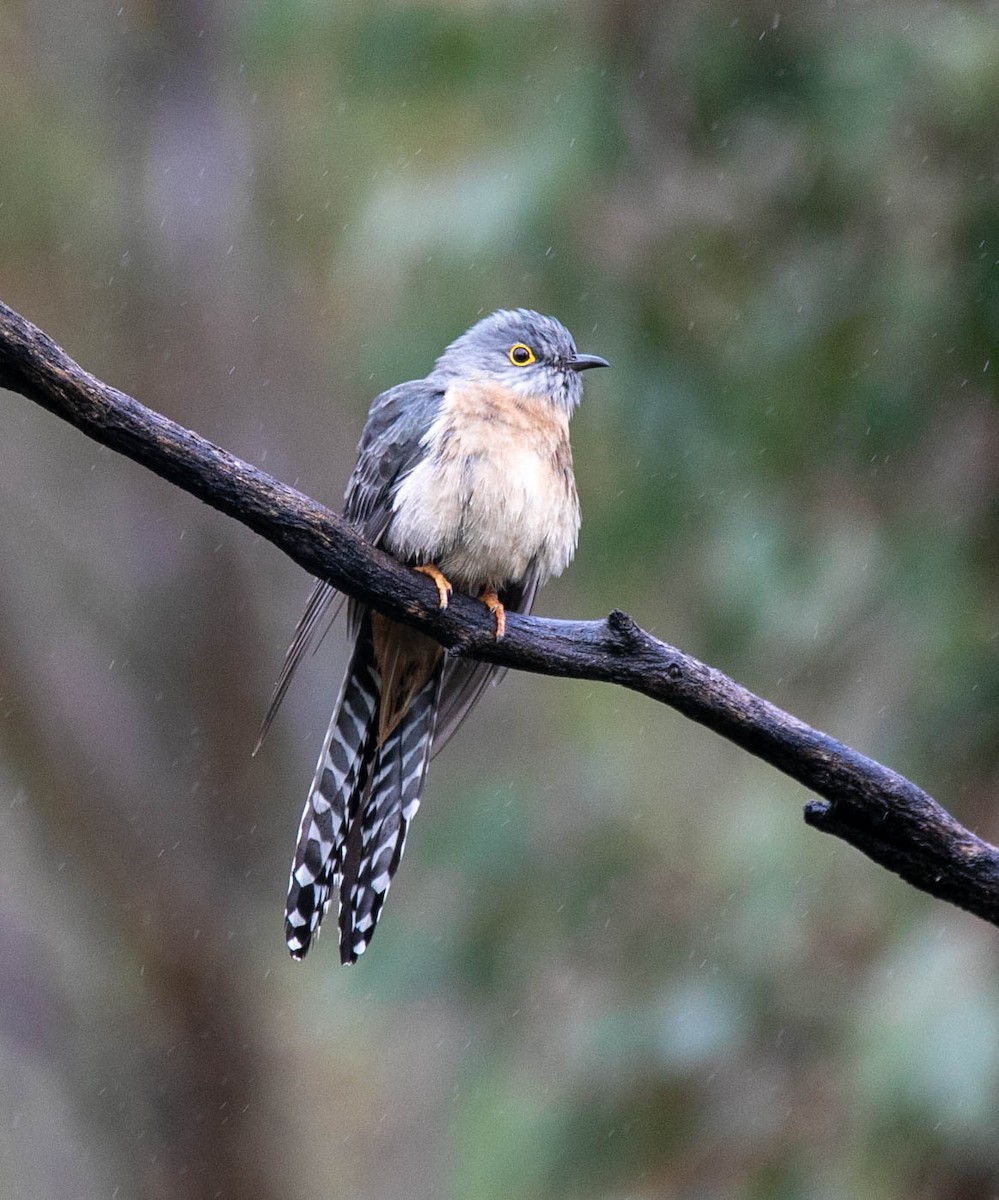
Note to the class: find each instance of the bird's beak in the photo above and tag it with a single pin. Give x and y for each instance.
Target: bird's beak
(583, 362)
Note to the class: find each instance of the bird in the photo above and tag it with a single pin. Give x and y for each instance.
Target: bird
(466, 476)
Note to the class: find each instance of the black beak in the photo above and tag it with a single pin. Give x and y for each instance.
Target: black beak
(583, 362)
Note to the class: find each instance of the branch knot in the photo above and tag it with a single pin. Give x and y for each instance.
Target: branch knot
(625, 630)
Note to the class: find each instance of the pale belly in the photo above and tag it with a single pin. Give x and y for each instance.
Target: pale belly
(488, 508)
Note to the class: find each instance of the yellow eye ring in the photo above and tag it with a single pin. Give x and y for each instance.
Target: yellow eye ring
(521, 355)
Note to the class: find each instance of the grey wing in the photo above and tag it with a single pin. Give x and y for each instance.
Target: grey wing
(388, 450)
(465, 679)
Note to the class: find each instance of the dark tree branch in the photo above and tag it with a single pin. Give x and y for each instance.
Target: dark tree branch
(879, 812)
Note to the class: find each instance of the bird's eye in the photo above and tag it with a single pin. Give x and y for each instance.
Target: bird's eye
(521, 355)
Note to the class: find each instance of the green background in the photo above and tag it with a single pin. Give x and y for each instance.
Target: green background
(615, 963)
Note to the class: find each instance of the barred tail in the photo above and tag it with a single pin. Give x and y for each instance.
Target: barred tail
(330, 810)
(377, 835)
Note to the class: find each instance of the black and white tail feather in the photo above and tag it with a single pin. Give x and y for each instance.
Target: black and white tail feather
(363, 796)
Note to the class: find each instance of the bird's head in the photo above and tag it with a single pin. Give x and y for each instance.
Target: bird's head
(522, 350)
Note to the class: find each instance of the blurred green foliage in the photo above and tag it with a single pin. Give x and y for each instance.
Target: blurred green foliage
(615, 963)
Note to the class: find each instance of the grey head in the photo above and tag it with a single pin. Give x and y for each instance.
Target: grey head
(522, 350)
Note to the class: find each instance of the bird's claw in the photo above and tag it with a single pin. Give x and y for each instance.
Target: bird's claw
(444, 588)
(495, 605)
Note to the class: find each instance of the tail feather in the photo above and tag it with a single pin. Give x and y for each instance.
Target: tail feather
(364, 794)
(390, 799)
(330, 809)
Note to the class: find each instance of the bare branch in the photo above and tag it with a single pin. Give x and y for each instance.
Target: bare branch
(876, 810)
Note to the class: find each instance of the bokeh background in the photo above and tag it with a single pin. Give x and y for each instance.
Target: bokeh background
(615, 962)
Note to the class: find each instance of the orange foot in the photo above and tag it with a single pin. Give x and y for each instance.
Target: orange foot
(444, 588)
(495, 605)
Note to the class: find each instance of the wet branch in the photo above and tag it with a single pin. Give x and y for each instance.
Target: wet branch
(879, 812)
